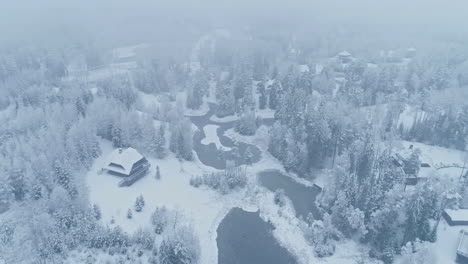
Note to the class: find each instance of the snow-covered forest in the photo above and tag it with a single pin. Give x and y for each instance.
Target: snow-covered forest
(253, 132)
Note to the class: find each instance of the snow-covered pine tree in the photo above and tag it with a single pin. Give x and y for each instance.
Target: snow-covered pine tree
(262, 99)
(96, 212)
(158, 173)
(129, 213)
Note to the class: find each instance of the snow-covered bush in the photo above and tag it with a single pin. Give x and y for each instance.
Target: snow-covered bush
(96, 211)
(144, 238)
(224, 181)
(139, 203)
(280, 197)
(160, 218)
(323, 236)
(180, 247)
(158, 173)
(196, 181)
(247, 123)
(129, 213)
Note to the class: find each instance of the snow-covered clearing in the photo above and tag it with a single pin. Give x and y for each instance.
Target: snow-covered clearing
(203, 207)
(127, 51)
(438, 157)
(444, 250)
(265, 113)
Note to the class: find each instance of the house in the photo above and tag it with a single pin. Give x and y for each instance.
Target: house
(413, 175)
(128, 164)
(344, 57)
(410, 53)
(462, 248)
(456, 217)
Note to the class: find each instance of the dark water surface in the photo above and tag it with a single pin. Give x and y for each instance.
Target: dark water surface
(244, 238)
(301, 196)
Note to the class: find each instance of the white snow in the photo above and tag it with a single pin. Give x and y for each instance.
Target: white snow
(344, 54)
(203, 207)
(127, 51)
(225, 119)
(458, 215)
(125, 158)
(265, 113)
(437, 156)
(444, 250)
(211, 137)
(319, 68)
(303, 68)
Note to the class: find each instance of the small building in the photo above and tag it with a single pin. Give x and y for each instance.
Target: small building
(128, 164)
(303, 68)
(413, 175)
(462, 248)
(344, 57)
(456, 217)
(410, 53)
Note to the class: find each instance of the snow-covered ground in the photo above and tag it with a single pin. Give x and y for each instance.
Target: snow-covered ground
(212, 137)
(438, 157)
(443, 251)
(225, 119)
(265, 113)
(127, 51)
(203, 207)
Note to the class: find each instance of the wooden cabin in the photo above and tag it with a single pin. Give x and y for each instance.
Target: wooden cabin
(128, 164)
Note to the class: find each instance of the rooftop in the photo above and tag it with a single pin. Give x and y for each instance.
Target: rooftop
(344, 54)
(125, 158)
(458, 215)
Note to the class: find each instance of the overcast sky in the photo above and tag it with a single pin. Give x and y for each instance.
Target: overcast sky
(42, 19)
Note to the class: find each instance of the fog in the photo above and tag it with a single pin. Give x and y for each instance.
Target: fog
(55, 21)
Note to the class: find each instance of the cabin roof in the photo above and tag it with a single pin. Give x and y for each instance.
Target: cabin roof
(462, 248)
(125, 158)
(344, 53)
(458, 215)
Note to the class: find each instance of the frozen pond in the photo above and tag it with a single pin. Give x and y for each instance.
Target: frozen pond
(301, 196)
(244, 238)
(209, 153)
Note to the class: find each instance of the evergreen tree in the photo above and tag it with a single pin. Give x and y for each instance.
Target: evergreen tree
(158, 173)
(96, 211)
(274, 95)
(226, 101)
(139, 203)
(262, 99)
(247, 124)
(129, 213)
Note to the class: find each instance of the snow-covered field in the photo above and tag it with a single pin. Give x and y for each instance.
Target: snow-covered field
(203, 207)
(438, 157)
